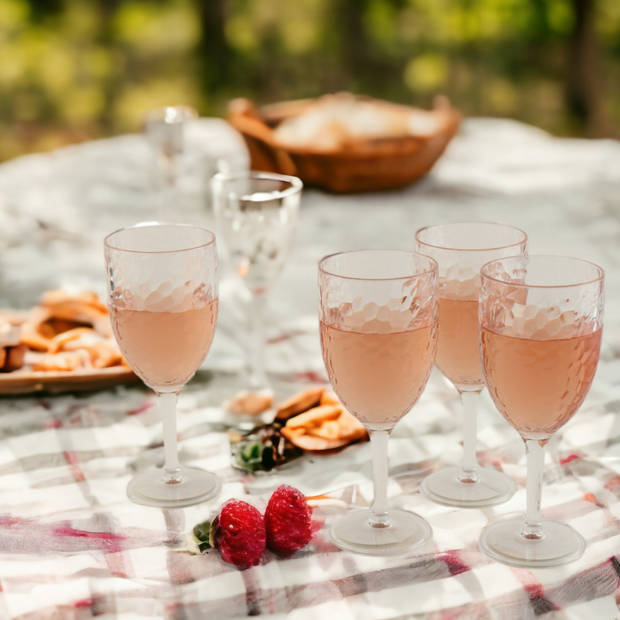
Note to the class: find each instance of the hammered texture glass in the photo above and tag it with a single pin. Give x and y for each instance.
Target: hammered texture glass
(378, 318)
(153, 267)
(541, 320)
(256, 215)
(162, 287)
(537, 300)
(460, 249)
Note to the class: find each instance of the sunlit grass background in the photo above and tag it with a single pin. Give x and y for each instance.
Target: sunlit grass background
(78, 69)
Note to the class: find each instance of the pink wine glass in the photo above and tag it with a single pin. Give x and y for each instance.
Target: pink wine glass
(378, 316)
(541, 320)
(162, 285)
(460, 249)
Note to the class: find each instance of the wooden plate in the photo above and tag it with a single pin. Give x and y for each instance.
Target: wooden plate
(31, 382)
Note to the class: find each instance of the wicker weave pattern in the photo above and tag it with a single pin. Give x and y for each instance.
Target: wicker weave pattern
(366, 165)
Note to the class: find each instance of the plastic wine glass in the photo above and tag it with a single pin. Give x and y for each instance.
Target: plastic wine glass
(256, 215)
(541, 320)
(162, 285)
(460, 249)
(378, 318)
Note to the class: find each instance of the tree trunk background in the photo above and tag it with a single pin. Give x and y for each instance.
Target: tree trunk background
(584, 88)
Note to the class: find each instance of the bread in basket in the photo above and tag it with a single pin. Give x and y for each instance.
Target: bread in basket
(345, 143)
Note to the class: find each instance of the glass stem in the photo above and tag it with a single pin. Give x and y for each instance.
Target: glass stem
(532, 528)
(258, 378)
(379, 509)
(170, 173)
(469, 464)
(168, 408)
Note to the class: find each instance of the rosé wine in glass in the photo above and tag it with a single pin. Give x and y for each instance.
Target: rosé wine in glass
(458, 348)
(378, 323)
(165, 348)
(378, 375)
(460, 249)
(557, 372)
(541, 319)
(162, 285)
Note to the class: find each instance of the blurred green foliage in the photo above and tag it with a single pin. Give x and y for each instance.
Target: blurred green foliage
(79, 69)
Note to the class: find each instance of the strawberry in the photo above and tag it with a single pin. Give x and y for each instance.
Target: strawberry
(288, 520)
(238, 532)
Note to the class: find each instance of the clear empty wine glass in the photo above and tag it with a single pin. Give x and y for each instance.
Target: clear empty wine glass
(165, 131)
(460, 249)
(162, 285)
(256, 215)
(378, 318)
(541, 320)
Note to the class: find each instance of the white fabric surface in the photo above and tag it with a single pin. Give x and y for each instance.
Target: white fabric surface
(65, 461)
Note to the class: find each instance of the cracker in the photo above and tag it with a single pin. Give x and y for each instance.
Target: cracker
(311, 443)
(250, 403)
(329, 398)
(299, 403)
(87, 301)
(80, 336)
(64, 361)
(315, 416)
(327, 430)
(325, 427)
(350, 427)
(35, 333)
(14, 358)
(104, 354)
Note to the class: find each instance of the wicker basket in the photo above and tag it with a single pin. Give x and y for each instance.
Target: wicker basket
(365, 165)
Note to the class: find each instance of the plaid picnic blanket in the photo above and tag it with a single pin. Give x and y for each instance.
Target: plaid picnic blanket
(73, 546)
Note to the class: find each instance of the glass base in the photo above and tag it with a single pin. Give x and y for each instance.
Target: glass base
(444, 487)
(353, 532)
(258, 382)
(502, 541)
(149, 489)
